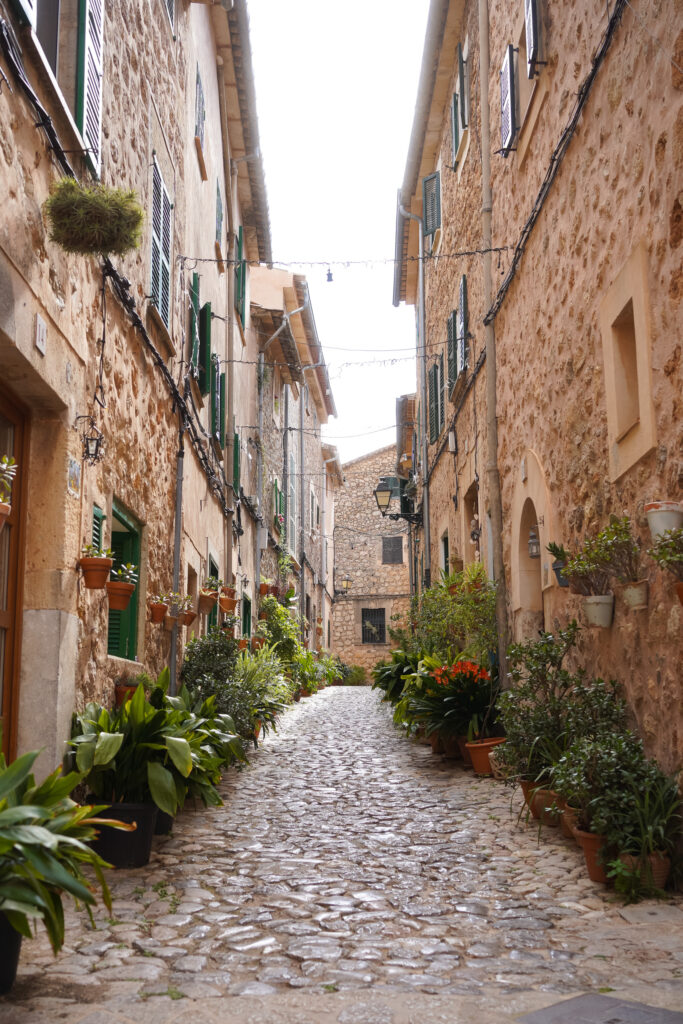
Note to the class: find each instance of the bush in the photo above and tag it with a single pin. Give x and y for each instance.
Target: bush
(210, 659)
(356, 676)
(281, 629)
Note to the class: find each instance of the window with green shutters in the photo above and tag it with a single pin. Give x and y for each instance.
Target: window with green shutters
(205, 348)
(451, 348)
(431, 203)
(240, 275)
(246, 616)
(194, 323)
(98, 518)
(212, 619)
(236, 463)
(221, 410)
(161, 246)
(442, 403)
(89, 68)
(125, 543)
(433, 393)
(462, 328)
(215, 398)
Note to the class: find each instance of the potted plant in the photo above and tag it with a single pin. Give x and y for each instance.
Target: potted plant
(8, 469)
(588, 577)
(44, 847)
(667, 552)
(647, 837)
(121, 754)
(158, 606)
(264, 586)
(561, 557)
(95, 564)
(120, 588)
(227, 600)
(125, 686)
(619, 555)
(186, 611)
(663, 516)
(93, 219)
(208, 595)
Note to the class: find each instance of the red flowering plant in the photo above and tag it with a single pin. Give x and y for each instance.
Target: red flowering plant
(457, 699)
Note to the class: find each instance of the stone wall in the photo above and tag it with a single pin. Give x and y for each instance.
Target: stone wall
(358, 554)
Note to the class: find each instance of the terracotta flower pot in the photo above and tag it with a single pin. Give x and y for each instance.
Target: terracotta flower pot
(243, 643)
(157, 611)
(257, 643)
(464, 752)
(95, 571)
(119, 594)
(451, 747)
(264, 589)
(122, 692)
(436, 742)
(654, 867)
(227, 604)
(5, 510)
(592, 846)
(540, 801)
(207, 601)
(557, 567)
(187, 618)
(479, 752)
(228, 591)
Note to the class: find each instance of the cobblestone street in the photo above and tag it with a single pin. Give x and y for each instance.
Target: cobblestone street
(351, 877)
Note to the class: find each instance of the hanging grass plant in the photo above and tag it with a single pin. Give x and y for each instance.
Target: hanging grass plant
(93, 219)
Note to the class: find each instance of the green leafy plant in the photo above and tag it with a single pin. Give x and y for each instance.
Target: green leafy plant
(93, 219)
(559, 553)
(126, 573)
(8, 471)
(44, 849)
(618, 552)
(585, 570)
(456, 699)
(281, 629)
(212, 584)
(93, 551)
(667, 552)
(209, 662)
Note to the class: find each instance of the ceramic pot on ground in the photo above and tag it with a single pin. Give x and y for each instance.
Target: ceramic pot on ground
(592, 846)
(119, 594)
(635, 595)
(127, 849)
(479, 752)
(436, 742)
(663, 516)
(95, 571)
(122, 692)
(599, 610)
(464, 752)
(654, 867)
(540, 802)
(10, 944)
(157, 611)
(163, 824)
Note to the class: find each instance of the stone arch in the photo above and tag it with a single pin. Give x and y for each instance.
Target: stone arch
(530, 578)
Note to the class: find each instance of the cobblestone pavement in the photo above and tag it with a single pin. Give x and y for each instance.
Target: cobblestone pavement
(351, 877)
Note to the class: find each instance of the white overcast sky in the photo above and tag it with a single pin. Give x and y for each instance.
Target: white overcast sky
(336, 85)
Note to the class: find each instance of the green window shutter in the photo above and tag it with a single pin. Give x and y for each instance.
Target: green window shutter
(451, 348)
(205, 348)
(89, 79)
(236, 463)
(221, 410)
(433, 410)
(215, 398)
(431, 203)
(26, 9)
(161, 246)
(219, 216)
(246, 616)
(455, 129)
(98, 518)
(194, 321)
(462, 91)
(463, 354)
(442, 411)
(240, 275)
(122, 632)
(213, 614)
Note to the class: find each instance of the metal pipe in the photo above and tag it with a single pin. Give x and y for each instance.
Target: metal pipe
(422, 367)
(177, 536)
(302, 493)
(492, 474)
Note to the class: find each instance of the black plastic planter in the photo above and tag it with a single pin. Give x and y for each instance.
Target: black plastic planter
(557, 569)
(164, 823)
(127, 849)
(10, 945)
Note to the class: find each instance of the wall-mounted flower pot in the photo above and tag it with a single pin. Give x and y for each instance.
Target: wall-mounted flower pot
(273, 590)
(257, 642)
(10, 944)
(264, 589)
(599, 610)
(663, 515)
(5, 510)
(95, 571)
(119, 594)
(207, 601)
(186, 618)
(157, 611)
(479, 752)
(557, 568)
(635, 595)
(243, 643)
(227, 591)
(170, 621)
(227, 604)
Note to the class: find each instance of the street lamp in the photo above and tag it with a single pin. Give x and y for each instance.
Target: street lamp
(383, 498)
(345, 583)
(534, 544)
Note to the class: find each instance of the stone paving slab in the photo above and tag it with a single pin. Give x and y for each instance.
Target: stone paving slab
(350, 866)
(592, 1009)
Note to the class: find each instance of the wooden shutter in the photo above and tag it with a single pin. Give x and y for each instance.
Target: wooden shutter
(442, 410)
(161, 246)
(236, 463)
(26, 10)
(451, 349)
(455, 129)
(433, 408)
(531, 26)
(221, 410)
(98, 518)
(462, 90)
(219, 216)
(240, 275)
(508, 125)
(170, 7)
(194, 321)
(199, 111)
(89, 79)
(431, 203)
(214, 369)
(462, 326)
(205, 349)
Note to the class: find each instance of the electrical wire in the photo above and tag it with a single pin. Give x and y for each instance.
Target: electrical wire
(381, 261)
(653, 37)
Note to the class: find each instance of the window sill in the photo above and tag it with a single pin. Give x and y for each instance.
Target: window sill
(531, 114)
(200, 158)
(219, 258)
(161, 331)
(463, 150)
(459, 385)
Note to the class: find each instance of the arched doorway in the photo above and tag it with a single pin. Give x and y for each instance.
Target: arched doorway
(530, 613)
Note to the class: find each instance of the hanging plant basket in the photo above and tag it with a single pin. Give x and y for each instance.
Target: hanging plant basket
(157, 611)
(187, 617)
(227, 604)
(119, 594)
(635, 594)
(207, 601)
(95, 571)
(93, 220)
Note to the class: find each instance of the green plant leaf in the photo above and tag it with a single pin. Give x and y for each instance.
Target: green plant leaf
(162, 788)
(107, 747)
(180, 753)
(19, 770)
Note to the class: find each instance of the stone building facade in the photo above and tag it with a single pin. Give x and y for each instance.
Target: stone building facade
(585, 144)
(173, 120)
(373, 554)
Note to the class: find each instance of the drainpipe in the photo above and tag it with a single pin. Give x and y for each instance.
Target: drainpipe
(302, 493)
(180, 463)
(422, 364)
(492, 474)
(323, 541)
(230, 176)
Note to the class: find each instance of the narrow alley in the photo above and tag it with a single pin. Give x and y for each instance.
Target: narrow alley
(352, 877)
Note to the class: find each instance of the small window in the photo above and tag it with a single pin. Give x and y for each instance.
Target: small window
(508, 101)
(212, 619)
(161, 246)
(219, 230)
(444, 553)
(451, 349)
(625, 370)
(205, 348)
(435, 381)
(240, 276)
(98, 518)
(392, 550)
(199, 125)
(460, 107)
(373, 625)
(431, 203)
(462, 329)
(125, 543)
